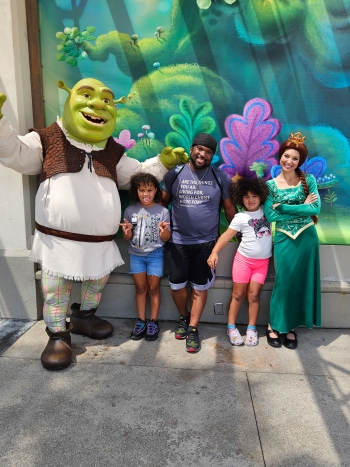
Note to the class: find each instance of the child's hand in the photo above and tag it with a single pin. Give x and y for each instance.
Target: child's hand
(126, 226)
(213, 260)
(163, 226)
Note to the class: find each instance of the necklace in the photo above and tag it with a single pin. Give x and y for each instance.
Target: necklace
(198, 179)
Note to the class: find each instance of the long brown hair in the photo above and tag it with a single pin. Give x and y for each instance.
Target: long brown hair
(302, 150)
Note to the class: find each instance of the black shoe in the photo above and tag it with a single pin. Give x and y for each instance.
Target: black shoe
(181, 330)
(291, 343)
(152, 330)
(139, 330)
(192, 340)
(86, 323)
(273, 341)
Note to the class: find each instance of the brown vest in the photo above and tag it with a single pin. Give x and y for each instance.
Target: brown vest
(62, 157)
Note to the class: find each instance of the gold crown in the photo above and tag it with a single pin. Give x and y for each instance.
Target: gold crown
(297, 138)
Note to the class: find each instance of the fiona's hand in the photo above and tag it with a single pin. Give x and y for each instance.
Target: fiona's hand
(2, 100)
(312, 198)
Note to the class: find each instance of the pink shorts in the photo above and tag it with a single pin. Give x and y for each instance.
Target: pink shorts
(246, 269)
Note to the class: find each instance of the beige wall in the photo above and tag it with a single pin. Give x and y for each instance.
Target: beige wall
(15, 205)
(17, 284)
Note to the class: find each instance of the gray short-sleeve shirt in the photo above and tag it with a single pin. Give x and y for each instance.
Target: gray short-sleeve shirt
(196, 199)
(145, 222)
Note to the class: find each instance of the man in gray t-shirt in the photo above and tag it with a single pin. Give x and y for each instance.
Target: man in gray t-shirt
(197, 191)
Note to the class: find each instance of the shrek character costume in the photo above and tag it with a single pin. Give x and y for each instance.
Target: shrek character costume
(77, 207)
(296, 296)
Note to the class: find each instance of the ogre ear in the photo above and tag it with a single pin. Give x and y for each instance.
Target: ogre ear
(61, 85)
(122, 100)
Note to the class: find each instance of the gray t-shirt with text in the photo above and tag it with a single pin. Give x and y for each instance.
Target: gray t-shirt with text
(195, 204)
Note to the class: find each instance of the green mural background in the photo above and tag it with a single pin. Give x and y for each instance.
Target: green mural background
(187, 65)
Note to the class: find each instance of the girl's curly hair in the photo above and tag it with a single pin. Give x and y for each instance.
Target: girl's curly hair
(240, 188)
(143, 178)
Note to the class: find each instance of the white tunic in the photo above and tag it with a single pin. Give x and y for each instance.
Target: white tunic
(81, 202)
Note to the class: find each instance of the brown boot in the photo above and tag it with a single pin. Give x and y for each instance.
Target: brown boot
(58, 353)
(87, 324)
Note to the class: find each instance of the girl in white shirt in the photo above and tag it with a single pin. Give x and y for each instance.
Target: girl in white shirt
(251, 261)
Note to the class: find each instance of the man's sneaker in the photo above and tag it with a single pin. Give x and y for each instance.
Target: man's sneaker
(192, 340)
(181, 330)
(152, 330)
(139, 330)
(235, 336)
(252, 337)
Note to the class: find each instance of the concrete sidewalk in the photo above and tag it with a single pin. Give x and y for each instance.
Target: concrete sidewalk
(124, 403)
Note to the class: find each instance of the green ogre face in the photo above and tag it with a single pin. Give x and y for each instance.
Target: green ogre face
(89, 114)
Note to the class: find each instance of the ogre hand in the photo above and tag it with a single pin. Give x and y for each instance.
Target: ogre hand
(170, 157)
(2, 100)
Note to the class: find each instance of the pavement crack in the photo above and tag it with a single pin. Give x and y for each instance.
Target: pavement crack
(256, 421)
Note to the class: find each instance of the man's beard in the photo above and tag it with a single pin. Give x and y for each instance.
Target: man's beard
(200, 167)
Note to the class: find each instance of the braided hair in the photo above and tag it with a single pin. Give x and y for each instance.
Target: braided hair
(302, 150)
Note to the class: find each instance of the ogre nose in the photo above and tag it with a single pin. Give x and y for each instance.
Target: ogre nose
(97, 104)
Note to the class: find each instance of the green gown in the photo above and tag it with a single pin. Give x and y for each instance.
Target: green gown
(296, 296)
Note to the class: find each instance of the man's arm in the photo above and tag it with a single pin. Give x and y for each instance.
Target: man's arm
(229, 208)
(165, 200)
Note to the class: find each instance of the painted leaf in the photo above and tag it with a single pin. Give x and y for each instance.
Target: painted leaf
(204, 125)
(61, 56)
(61, 35)
(71, 61)
(125, 140)
(176, 140)
(186, 107)
(202, 110)
(230, 169)
(251, 138)
(316, 166)
(179, 124)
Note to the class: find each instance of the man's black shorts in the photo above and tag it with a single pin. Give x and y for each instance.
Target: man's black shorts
(189, 263)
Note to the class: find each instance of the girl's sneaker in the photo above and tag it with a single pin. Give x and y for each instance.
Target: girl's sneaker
(235, 336)
(252, 337)
(139, 330)
(152, 330)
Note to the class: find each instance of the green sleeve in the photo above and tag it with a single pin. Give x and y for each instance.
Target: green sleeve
(271, 214)
(303, 209)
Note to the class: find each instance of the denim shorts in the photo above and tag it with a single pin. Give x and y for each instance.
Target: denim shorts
(151, 264)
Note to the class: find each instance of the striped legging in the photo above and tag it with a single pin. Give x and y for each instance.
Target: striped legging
(57, 292)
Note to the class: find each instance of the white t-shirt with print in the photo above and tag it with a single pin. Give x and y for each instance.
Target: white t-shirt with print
(256, 234)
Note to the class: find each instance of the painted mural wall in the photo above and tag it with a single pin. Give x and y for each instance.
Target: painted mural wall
(249, 72)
